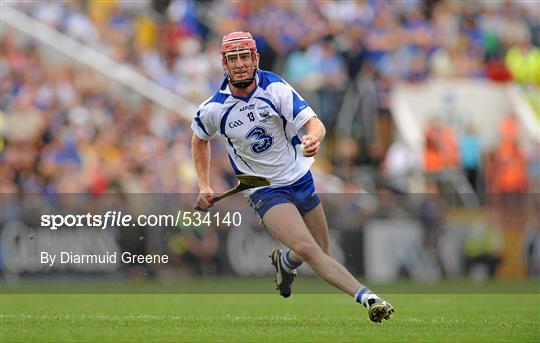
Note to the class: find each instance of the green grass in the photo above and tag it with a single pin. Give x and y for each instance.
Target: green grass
(254, 285)
(266, 318)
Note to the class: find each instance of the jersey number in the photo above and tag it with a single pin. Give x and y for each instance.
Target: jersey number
(262, 141)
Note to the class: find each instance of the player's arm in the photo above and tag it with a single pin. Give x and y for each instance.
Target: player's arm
(315, 132)
(297, 111)
(200, 150)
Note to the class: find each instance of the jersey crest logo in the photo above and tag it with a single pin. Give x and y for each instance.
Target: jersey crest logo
(263, 111)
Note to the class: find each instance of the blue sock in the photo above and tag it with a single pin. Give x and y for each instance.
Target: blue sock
(287, 263)
(363, 294)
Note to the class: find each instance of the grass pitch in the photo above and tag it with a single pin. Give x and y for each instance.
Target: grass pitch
(319, 317)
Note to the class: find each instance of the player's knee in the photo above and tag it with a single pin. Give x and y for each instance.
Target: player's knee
(324, 243)
(325, 247)
(308, 251)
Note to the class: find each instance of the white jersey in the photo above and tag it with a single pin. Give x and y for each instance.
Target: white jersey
(260, 130)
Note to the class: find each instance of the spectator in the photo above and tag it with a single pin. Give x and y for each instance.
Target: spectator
(534, 168)
(483, 248)
(510, 168)
(531, 243)
(509, 127)
(470, 155)
(432, 218)
(441, 149)
(398, 166)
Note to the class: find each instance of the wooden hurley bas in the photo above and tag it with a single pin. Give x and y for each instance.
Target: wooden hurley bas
(245, 182)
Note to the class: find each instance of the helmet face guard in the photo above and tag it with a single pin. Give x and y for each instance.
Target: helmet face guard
(237, 43)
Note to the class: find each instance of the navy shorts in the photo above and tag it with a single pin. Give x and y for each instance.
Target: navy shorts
(301, 194)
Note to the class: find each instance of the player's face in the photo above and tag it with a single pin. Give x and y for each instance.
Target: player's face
(240, 66)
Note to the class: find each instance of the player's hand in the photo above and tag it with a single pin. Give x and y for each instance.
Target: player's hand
(204, 201)
(311, 145)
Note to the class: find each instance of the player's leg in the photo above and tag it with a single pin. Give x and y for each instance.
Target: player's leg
(309, 205)
(261, 201)
(315, 221)
(286, 224)
(286, 262)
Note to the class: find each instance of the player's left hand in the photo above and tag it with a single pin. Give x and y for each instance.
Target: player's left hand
(311, 145)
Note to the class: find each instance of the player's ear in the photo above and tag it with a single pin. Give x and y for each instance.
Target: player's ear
(224, 65)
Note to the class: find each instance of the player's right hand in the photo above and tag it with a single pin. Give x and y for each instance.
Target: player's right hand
(310, 145)
(204, 201)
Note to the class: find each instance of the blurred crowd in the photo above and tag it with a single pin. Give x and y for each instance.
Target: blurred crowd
(504, 169)
(64, 131)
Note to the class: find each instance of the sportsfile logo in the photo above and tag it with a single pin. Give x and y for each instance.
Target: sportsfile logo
(119, 219)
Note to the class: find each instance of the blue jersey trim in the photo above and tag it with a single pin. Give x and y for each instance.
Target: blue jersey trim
(199, 122)
(298, 104)
(234, 149)
(219, 97)
(224, 119)
(222, 125)
(284, 120)
(295, 141)
(224, 84)
(284, 125)
(234, 166)
(247, 97)
(266, 78)
(268, 102)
